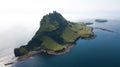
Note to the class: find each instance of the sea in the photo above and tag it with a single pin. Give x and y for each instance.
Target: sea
(102, 51)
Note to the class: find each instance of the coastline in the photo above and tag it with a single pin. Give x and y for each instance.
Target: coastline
(44, 51)
(65, 50)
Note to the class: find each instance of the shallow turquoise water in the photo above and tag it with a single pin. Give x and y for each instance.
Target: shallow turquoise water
(103, 51)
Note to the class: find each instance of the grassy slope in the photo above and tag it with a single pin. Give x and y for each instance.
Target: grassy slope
(69, 34)
(54, 33)
(75, 30)
(49, 43)
(85, 32)
(47, 26)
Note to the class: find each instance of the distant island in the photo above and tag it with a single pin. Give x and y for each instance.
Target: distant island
(101, 20)
(89, 23)
(55, 36)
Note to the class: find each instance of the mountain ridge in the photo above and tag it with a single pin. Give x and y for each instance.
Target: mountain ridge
(55, 36)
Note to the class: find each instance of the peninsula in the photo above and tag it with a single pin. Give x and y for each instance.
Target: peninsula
(55, 36)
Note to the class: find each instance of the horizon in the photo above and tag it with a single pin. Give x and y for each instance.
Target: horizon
(28, 13)
(81, 8)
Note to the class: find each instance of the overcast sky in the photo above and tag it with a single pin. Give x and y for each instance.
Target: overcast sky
(31, 11)
(31, 6)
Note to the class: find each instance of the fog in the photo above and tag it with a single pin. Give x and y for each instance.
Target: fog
(16, 30)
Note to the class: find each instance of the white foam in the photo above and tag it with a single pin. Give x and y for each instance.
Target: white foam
(7, 56)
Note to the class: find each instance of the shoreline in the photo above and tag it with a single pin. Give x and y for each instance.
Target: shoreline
(65, 50)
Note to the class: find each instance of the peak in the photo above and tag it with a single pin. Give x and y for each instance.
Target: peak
(52, 16)
(55, 12)
(53, 21)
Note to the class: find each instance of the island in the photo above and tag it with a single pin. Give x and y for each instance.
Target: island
(55, 36)
(101, 20)
(89, 23)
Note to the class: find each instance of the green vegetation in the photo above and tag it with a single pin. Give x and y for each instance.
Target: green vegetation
(50, 44)
(54, 33)
(85, 31)
(20, 51)
(69, 35)
(46, 26)
(75, 30)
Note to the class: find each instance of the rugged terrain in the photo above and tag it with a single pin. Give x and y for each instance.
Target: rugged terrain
(56, 35)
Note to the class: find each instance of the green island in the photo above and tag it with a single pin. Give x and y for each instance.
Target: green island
(55, 36)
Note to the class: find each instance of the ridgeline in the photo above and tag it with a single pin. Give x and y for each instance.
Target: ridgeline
(55, 36)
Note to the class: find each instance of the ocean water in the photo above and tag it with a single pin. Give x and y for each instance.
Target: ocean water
(103, 51)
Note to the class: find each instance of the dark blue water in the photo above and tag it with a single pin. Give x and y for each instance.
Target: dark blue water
(103, 51)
